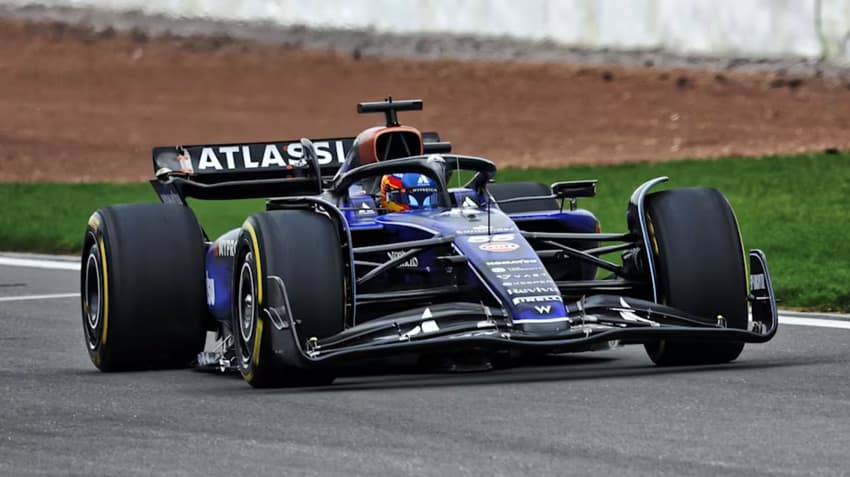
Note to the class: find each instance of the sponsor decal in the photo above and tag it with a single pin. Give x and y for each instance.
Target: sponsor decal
(492, 238)
(468, 203)
(260, 156)
(628, 315)
(498, 247)
(543, 309)
(525, 283)
(757, 282)
(532, 290)
(225, 248)
(210, 290)
(504, 238)
(427, 326)
(525, 269)
(536, 299)
(483, 229)
(413, 262)
(518, 261)
(423, 180)
(365, 209)
(520, 271)
(522, 276)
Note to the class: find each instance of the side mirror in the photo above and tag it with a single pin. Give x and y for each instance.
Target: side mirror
(572, 190)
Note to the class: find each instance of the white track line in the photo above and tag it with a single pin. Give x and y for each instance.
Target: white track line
(816, 314)
(816, 322)
(39, 297)
(38, 263)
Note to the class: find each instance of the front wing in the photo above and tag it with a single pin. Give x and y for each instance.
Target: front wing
(450, 327)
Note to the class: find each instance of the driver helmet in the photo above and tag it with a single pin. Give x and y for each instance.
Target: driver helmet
(409, 191)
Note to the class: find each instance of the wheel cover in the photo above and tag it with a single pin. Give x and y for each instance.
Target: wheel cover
(246, 307)
(92, 297)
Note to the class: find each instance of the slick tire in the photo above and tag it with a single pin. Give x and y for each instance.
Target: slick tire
(142, 287)
(699, 259)
(303, 249)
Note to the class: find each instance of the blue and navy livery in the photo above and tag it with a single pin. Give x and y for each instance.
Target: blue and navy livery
(471, 266)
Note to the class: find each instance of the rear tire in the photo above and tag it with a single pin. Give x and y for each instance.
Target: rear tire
(303, 249)
(700, 269)
(142, 287)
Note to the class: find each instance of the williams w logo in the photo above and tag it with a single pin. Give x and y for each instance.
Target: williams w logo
(543, 309)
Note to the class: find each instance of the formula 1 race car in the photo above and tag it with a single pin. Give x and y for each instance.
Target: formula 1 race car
(366, 252)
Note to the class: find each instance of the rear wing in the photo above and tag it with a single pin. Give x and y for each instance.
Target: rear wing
(252, 170)
(215, 163)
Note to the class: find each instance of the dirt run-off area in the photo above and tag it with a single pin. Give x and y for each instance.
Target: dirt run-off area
(78, 105)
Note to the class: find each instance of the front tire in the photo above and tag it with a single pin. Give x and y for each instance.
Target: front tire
(303, 249)
(143, 294)
(700, 268)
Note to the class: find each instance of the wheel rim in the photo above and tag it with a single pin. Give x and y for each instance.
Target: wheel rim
(246, 306)
(92, 298)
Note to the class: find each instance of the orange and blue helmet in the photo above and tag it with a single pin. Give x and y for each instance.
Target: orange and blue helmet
(409, 191)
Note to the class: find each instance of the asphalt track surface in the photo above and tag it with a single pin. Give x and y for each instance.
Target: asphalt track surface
(782, 409)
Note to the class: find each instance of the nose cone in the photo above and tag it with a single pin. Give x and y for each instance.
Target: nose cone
(511, 269)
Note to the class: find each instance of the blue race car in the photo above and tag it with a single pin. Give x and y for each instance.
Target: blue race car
(387, 245)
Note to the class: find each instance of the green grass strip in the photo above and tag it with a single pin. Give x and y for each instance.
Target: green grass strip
(794, 208)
